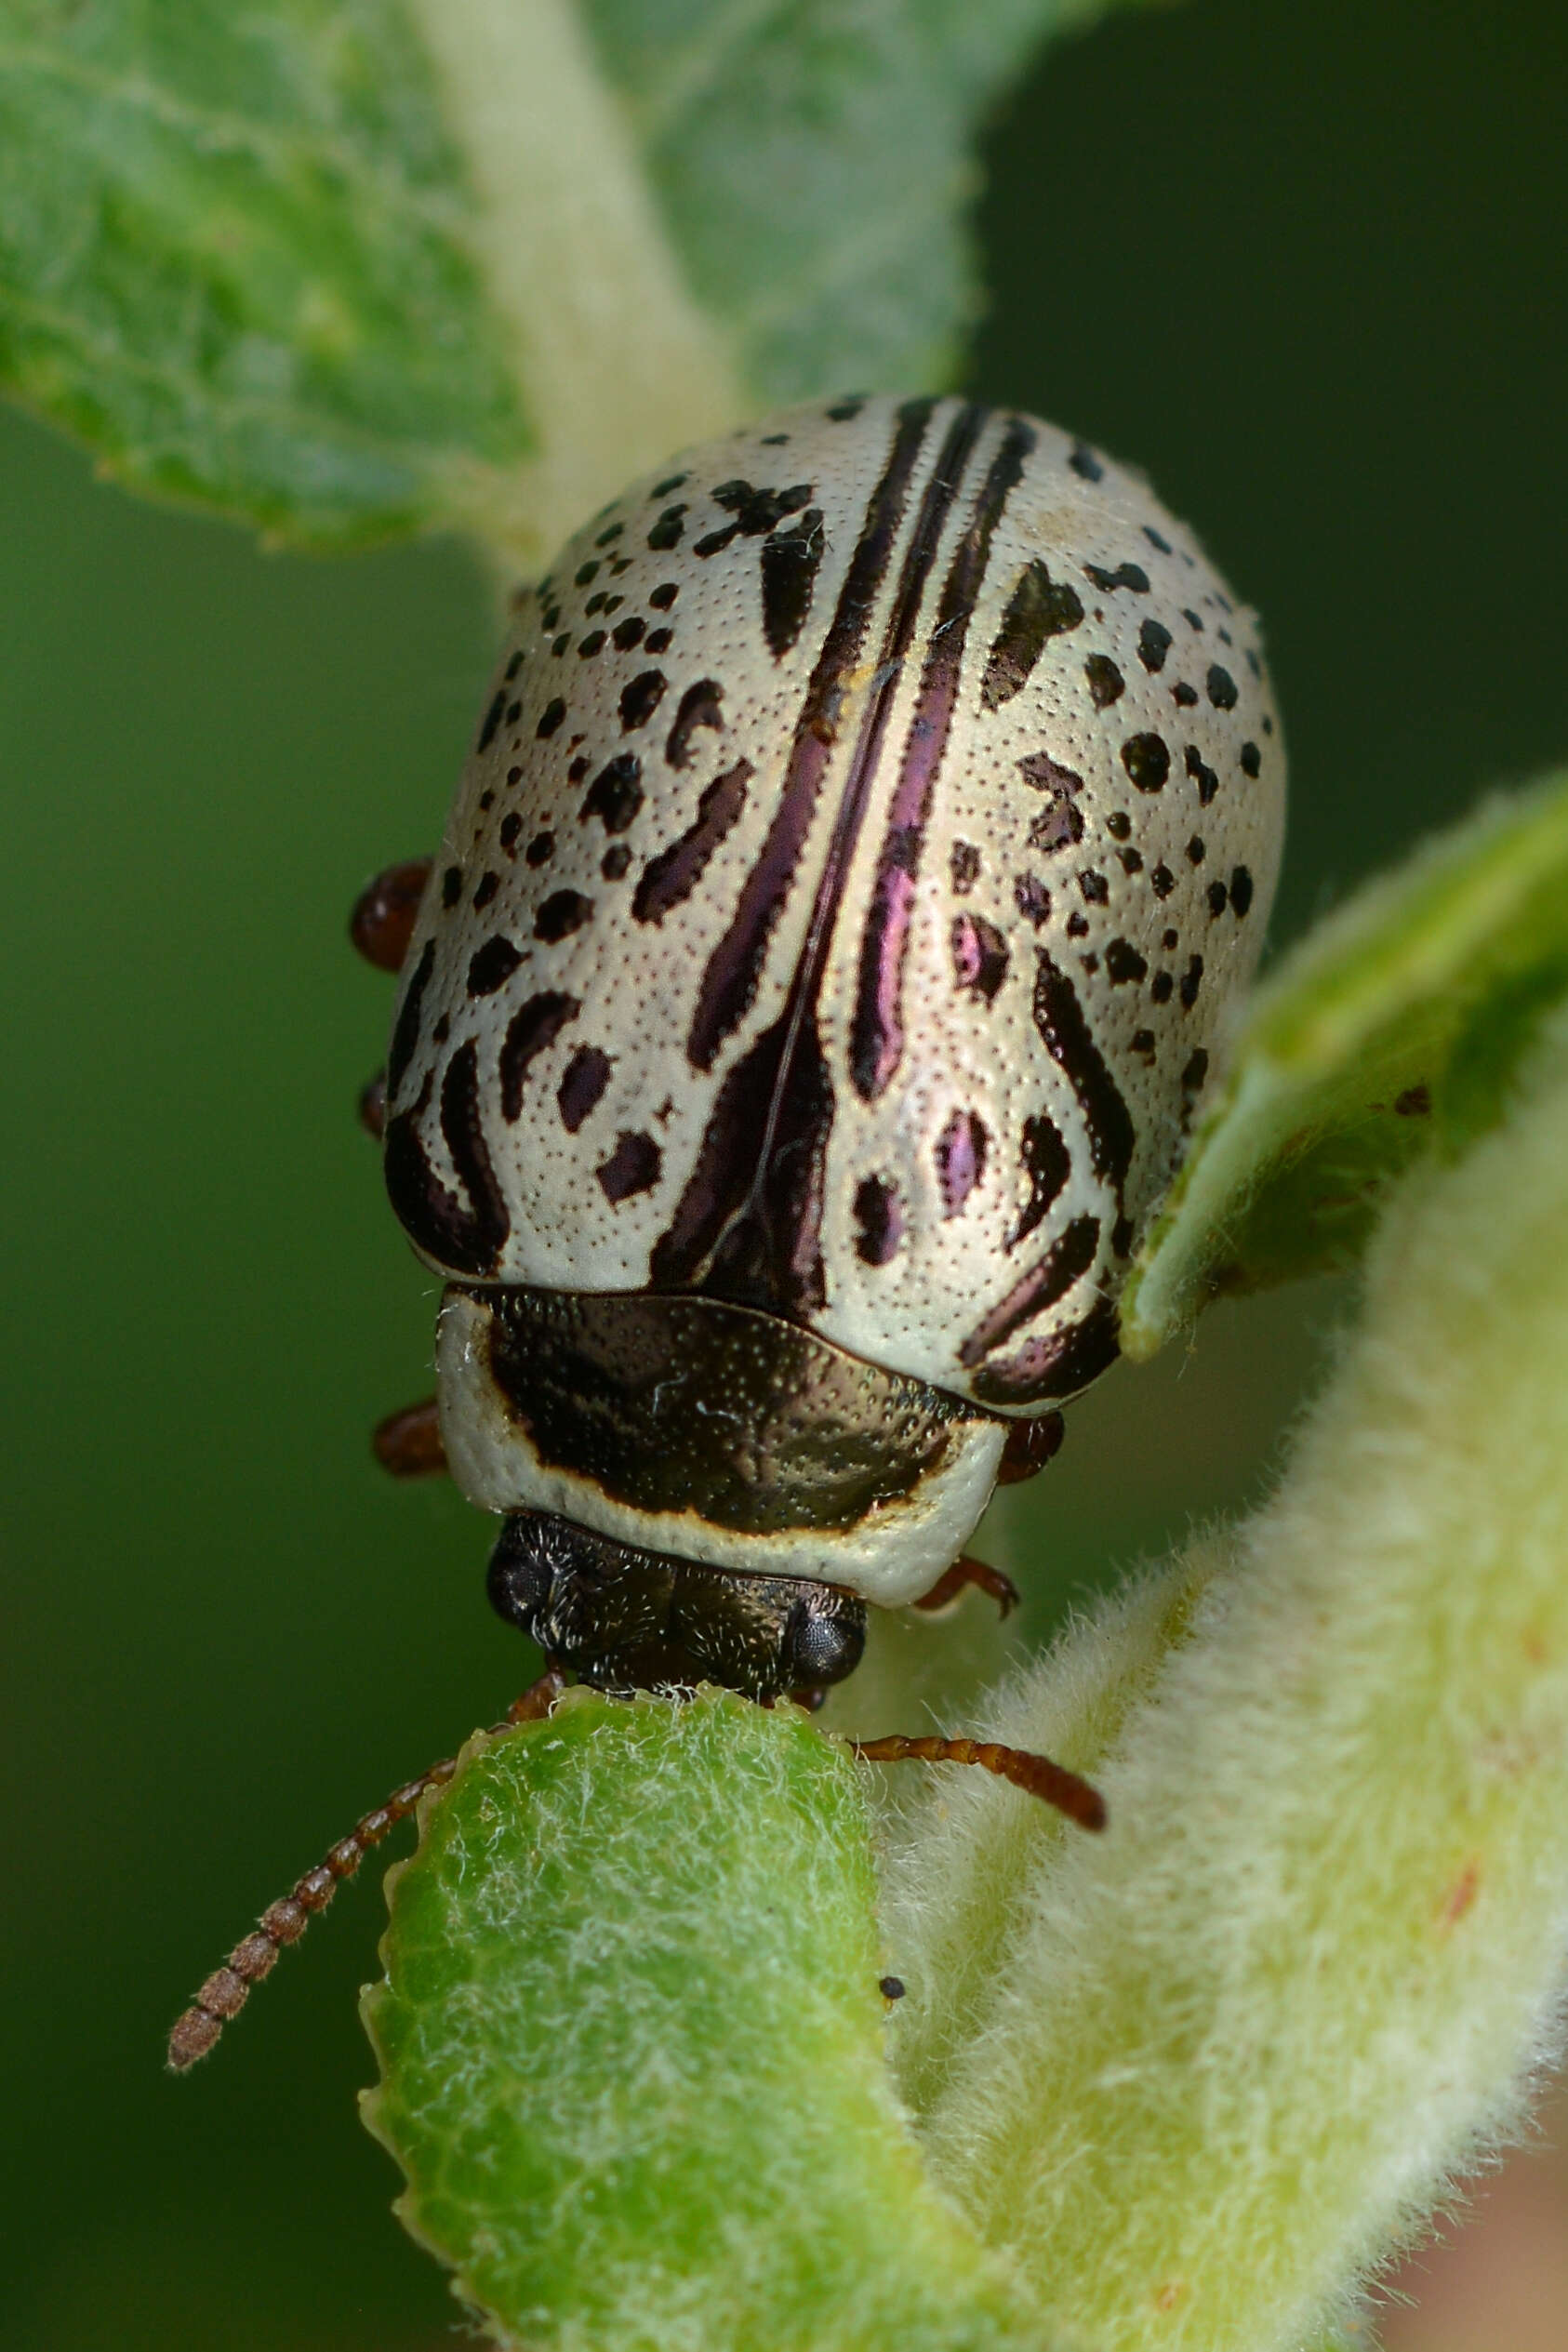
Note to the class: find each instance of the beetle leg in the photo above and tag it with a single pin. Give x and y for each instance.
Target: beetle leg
(1029, 1446)
(963, 1573)
(407, 1444)
(1052, 1783)
(228, 1988)
(382, 921)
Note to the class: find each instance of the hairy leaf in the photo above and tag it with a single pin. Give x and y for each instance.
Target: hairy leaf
(347, 268)
(1397, 1023)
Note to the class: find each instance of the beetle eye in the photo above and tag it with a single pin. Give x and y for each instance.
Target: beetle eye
(823, 1644)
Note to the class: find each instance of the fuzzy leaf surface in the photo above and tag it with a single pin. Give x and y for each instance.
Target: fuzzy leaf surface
(631, 2049)
(1396, 1025)
(351, 268)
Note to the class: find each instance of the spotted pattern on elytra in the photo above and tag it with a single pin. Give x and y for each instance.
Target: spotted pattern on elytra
(893, 794)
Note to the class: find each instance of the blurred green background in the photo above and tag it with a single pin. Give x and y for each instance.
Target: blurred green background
(1304, 264)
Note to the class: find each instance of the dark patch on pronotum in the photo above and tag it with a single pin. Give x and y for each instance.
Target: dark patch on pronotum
(753, 512)
(876, 1042)
(491, 727)
(492, 965)
(641, 698)
(1038, 609)
(405, 1036)
(616, 793)
(961, 1158)
(1131, 576)
(1221, 687)
(631, 1168)
(672, 877)
(1047, 1165)
(550, 718)
(790, 564)
(533, 1027)
(1154, 643)
(1122, 962)
(1060, 823)
(1057, 1364)
(1083, 462)
(1067, 1039)
(879, 1216)
(1105, 682)
(1147, 759)
(1068, 1257)
(563, 912)
(699, 708)
(964, 863)
(582, 1084)
(979, 955)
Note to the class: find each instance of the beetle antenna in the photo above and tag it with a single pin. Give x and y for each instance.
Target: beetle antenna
(1054, 1783)
(228, 1988)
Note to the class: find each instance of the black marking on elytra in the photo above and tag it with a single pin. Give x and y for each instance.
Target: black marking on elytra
(1219, 898)
(590, 644)
(1154, 643)
(664, 595)
(1196, 850)
(1031, 899)
(513, 666)
(466, 1237)
(1153, 536)
(1147, 759)
(550, 718)
(611, 531)
(579, 768)
(1205, 778)
(1183, 695)
(615, 862)
(666, 532)
(1131, 576)
(1191, 981)
(729, 982)
(791, 561)
(699, 708)
(1161, 987)
(1221, 687)
(1106, 683)
(754, 511)
(843, 412)
(641, 698)
(633, 1166)
(532, 1027)
(1161, 880)
(1093, 884)
(1068, 1260)
(616, 793)
(1047, 1163)
(1142, 1042)
(1056, 1365)
(587, 572)
(1084, 463)
(1060, 822)
(1038, 609)
(658, 641)
(1068, 1040)
(1252, 760)
(960, 1153)
(879, 1216)
(491, 727)
(1193, 1077)
(451, 886)
(488, 884)
(1122, 962)
(979, 955)
(628, 632)
(563, 912)
(1130, 860)
(541, 850)
(672, 482)
(1119, 825)
(1078, 926)
(673, 874)
(876, 1042)
(511, 825)
(582, 1085)
(1240, 889)
(492, 965)
(964, 863)
(405, 1036)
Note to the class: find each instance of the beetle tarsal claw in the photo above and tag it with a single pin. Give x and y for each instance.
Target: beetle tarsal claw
(1052, 1783)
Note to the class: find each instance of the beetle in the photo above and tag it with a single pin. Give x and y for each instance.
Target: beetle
(871, 820)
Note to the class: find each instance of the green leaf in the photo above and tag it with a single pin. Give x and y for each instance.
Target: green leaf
(349, 268)
(1397, 1023)
(632, 2048)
